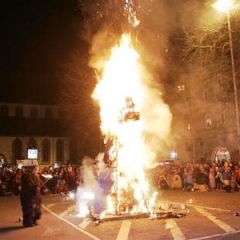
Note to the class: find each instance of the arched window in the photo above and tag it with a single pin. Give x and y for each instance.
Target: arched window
(16, 150)
(48, 113)
(206, 91)
(208, 121)
(223, 117)
(4, 111)
(19, 112)
(61, 112)
(60, 150)
(33, 112)
(32, 143)
(46, 150)
(3, 160)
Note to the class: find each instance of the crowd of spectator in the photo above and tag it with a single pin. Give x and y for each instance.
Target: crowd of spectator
(224, 176)
(62, 179)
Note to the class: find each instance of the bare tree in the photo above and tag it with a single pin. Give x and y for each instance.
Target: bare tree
(207, 43)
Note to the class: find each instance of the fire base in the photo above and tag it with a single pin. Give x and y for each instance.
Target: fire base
(169, 211)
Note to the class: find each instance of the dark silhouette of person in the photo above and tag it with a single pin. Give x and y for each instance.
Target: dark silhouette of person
(30, 197)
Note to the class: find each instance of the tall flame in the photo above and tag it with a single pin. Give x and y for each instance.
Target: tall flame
(120, 79)
(121, 94)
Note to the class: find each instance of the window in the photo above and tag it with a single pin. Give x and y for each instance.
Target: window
(60, 150)
(208, 121)
(16, 150)
(62, 113)
(48, 113)
(220, 86)
(223, 117)
(31, 143)
(4, 111)
(206, 91)
(2, 160)
(19, 112)
(46, 150)
(33, 112)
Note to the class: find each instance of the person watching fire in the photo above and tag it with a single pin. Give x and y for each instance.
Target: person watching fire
(30, 196)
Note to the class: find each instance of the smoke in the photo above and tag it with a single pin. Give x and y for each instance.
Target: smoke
(155, 114)
(157, 120)
(88, 173)
(123, 74)
(101, 45)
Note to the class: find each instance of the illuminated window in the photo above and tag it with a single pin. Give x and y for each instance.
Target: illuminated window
(208, 121)
(223, 117)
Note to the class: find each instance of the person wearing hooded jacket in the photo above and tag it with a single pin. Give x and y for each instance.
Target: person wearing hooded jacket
(30, 197)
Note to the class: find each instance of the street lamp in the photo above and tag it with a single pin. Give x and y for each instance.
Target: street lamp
(224, 6)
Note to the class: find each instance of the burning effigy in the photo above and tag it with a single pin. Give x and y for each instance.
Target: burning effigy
(134, 122)
(120, 96)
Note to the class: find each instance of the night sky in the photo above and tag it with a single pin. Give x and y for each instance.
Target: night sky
(36, 38)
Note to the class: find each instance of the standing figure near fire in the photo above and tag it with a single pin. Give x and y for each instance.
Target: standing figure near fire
(30, 197)
(105, 182)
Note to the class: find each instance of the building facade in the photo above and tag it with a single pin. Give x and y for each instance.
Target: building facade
(27, 128)
(205, 121)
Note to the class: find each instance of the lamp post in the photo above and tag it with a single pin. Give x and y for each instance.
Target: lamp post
(224, 6)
